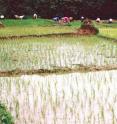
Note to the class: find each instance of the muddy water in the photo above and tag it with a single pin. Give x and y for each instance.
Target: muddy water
(87, 98)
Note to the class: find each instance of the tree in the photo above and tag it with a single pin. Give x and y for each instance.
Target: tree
(50, 8)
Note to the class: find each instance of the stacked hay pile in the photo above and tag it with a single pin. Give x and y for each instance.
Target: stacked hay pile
(87, 28)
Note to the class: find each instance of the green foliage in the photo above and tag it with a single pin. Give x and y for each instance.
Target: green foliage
(50, 8)
(31, 23)
(5, 116)
(27, 22)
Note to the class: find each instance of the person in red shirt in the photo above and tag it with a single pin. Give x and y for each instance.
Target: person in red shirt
(67, 19)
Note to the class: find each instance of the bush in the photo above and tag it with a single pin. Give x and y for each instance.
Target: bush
(87, 28)
(5, 116)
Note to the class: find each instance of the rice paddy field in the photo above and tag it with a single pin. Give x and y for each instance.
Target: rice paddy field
(73, 97)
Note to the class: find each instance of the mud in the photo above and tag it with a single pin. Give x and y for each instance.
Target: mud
(1, 25)
(58, 70)
(87, 28)
(44, 35)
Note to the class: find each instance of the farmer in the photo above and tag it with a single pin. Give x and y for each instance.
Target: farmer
(56, 18)
(98, 20)
(110, 20)
(67, 19)
(82, 18)
(35, 16)
(2, 16)
(71, 18)
(19, 17)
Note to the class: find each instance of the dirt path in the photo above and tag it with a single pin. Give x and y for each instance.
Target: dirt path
(36, 36)
(43, 35)
(52, 35)
(58, 70)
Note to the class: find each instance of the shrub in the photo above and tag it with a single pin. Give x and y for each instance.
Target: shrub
(5, 115)
(87, 28)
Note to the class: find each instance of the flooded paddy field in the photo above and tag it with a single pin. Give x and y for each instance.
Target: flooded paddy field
(59, 80)
(84, 98)
(52, 53)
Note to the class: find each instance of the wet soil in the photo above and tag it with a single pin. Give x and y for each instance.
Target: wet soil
(58, 70)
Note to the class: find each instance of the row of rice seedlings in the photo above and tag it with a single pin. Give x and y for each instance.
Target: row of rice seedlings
(109, 32)
(72, 98)
(18, 31)
(40, 55)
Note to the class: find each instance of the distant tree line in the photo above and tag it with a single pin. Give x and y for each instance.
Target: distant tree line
(51, 8)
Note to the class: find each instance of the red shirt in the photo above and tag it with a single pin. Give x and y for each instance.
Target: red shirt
(66, 19)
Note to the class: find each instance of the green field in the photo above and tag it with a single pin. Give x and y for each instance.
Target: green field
(46, 53)
(69, 98)
(42, 26)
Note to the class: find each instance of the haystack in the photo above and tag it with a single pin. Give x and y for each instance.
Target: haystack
(87, 28)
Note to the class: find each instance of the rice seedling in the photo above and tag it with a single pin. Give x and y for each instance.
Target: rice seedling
(75, 98)
(50, 53)
(71, 98)
(19, 31)
(109, 32)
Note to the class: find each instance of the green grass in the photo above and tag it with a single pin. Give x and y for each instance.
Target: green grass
(44, 26)
(107, 25)
(109, 32)
(39, 26)
(17, 31)
(5, 115)
(27, 22)
(31, 28)
(32, 23)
